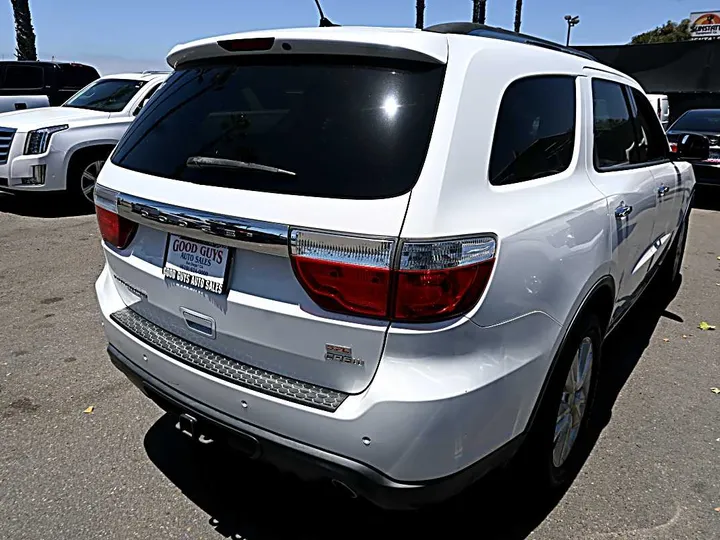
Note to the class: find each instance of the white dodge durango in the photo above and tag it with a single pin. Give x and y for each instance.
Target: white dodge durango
(386, 257)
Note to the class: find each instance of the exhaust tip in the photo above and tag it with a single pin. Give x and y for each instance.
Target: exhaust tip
(344, 488)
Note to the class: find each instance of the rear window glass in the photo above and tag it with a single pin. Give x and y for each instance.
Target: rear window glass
(24, 77)
(321, 127)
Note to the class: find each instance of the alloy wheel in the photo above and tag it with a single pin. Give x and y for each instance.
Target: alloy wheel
(89, 177)
(573, 402)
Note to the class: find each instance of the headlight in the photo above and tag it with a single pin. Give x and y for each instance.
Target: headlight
(38, 140)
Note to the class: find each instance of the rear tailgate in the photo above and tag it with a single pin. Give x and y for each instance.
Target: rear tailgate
(346, 142)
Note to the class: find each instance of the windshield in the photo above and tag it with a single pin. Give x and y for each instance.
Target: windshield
(107, 95)
(698, 121)
(343, 128)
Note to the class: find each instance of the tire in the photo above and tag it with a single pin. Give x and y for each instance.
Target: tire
(82, 175)
(670, 271)
(558, 441)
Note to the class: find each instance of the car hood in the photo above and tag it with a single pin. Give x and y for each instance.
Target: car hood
(47, 117)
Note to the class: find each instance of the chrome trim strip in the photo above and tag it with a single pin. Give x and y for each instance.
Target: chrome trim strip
(105, 198)
(258, 236)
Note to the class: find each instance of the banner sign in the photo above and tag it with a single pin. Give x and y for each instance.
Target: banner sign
(705, 24)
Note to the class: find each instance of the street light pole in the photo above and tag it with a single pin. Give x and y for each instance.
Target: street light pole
(571, 21)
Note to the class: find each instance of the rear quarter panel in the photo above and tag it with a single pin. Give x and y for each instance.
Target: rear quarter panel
(553, 242)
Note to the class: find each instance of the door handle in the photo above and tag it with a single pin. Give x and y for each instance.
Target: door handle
(662, 190)
(623, 210)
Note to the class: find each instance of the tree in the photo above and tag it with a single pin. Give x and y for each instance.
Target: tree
(518, 14)
(479, 9)
(667, 33)
(420, 14)
(24, 31)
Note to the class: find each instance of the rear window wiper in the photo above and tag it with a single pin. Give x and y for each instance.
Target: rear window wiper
(199, 162)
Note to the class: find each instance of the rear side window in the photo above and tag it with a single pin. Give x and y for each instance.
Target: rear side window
(652, 143)
(535, 131)
(24, 78)
(319, 126)
(613, 128)
(75, 77)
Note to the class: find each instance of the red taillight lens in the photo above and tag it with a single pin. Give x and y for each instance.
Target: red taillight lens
(432, 281)
(253, 44)
(345, 287)
(438, 294)
(342, 273)
(115, 230)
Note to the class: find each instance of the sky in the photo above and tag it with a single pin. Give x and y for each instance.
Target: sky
(137, 34)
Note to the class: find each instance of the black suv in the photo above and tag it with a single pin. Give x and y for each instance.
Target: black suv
(56, 81)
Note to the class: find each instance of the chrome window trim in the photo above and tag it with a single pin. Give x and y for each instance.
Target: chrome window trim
(252, 235)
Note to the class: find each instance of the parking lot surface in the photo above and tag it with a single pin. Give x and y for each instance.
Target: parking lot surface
(122, 471)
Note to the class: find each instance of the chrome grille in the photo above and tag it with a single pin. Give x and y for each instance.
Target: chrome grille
(6, 139)
(226, 368)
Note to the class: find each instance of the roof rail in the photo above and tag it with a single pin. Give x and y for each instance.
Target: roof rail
(482, 30)
(155, 72)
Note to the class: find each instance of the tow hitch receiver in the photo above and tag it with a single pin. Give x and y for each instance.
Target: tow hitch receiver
(188, 425)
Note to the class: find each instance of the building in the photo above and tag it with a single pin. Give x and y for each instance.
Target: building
(688, 71)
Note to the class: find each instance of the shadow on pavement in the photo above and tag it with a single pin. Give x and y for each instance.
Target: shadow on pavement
(707, 198)
(41, 205)
(251, 500)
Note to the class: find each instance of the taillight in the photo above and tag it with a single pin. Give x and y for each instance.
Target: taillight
(342, 273)
(430, 281)
(114, 229)
(439, 280)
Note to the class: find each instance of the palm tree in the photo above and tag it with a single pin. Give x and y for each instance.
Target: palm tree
(24, 31)
(479, 8)
(518, 14)
(420, 14)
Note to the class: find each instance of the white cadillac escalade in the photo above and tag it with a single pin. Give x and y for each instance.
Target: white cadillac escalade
(63, 148)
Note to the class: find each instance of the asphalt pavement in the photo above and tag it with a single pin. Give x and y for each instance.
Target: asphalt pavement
(122, 471)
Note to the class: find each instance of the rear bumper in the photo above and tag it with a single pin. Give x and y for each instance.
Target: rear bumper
(441, 410)
(307, 461)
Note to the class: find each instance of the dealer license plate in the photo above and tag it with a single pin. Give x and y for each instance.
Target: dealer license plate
(198, 264)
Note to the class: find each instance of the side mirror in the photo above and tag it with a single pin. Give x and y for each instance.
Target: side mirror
(692, 147)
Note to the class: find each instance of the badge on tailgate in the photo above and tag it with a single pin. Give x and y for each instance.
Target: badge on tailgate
(339, 353)
(198, 264)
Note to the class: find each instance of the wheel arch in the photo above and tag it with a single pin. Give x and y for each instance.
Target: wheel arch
(86, 149)
(600, 299)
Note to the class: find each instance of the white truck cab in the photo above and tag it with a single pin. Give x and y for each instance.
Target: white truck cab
(661, 105)
(63, 148)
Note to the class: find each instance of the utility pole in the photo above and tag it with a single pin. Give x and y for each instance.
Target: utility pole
(479, 8)
(420, 14)
(571, 21)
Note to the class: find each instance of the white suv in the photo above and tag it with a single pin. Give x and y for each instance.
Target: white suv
(63, 148)
(385, 257)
